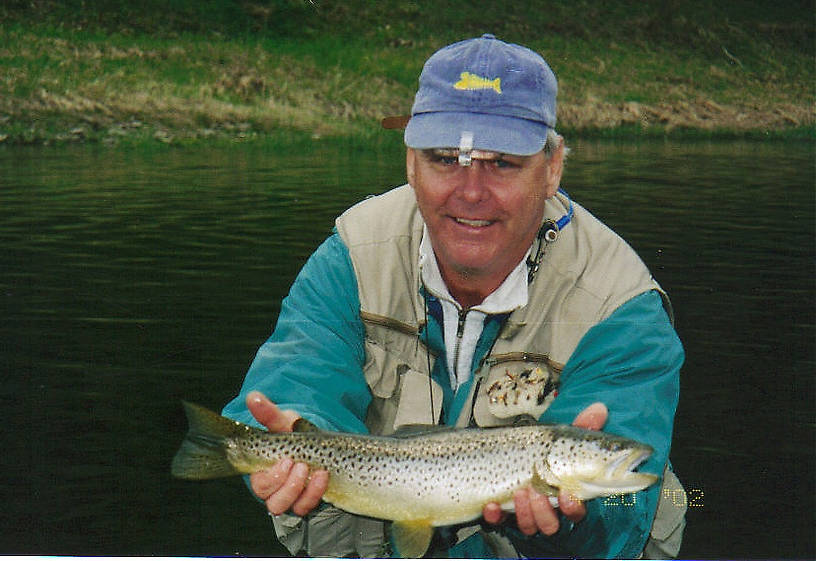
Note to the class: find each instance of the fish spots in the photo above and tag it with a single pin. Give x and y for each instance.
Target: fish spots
(422, 476)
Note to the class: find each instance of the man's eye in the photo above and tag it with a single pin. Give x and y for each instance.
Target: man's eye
(503, 164)
(446, 160)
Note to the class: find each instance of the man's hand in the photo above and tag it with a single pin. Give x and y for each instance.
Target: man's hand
(534, 513)
(286, 485)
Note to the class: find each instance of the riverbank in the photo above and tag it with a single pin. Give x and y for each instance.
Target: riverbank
(243, 71)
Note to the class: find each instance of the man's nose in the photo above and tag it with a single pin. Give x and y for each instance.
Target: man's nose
(474, 181)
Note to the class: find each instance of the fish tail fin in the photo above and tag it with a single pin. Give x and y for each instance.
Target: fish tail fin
(203, 454)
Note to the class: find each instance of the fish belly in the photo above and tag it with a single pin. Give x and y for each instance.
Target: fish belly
(440, 501)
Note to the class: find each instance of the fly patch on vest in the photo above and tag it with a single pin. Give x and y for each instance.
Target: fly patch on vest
(516, 384)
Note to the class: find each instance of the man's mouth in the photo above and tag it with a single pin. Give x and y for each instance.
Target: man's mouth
(473, 223)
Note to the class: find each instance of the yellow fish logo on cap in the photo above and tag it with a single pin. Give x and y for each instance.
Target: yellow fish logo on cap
(470, 81)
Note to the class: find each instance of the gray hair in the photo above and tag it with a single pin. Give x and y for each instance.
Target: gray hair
(552, 142)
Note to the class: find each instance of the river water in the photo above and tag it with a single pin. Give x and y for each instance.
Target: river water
(132, 279)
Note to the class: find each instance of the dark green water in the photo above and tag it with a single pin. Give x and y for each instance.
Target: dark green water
(130, 280)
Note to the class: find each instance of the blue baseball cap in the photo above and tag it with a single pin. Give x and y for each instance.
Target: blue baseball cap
(487, 94)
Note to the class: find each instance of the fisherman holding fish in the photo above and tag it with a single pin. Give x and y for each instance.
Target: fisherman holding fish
(477, 295)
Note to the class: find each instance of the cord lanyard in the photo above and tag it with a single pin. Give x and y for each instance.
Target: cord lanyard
(548, 233)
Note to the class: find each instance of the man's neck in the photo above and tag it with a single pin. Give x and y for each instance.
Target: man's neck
(468, 289)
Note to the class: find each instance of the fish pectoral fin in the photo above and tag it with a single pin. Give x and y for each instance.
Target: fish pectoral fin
(540, 484)
(411, 537)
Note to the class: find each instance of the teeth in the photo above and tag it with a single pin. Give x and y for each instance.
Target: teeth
(476, 223)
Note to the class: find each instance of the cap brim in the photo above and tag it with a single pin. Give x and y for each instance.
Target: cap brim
(395, 122)
(506, 135)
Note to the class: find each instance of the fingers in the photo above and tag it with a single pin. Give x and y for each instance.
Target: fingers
(571, 507)
(288, 486)
(270, 415)
(312, 495)
(593, 417)
(282, 500)
(265, 483)
(493, 513)
(534, 513)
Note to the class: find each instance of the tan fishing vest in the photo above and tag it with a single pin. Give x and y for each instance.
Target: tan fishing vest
(586, 273)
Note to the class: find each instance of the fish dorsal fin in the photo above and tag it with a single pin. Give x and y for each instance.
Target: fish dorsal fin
(525, 420)
(411, 537)
(408, 431)
(302, 425)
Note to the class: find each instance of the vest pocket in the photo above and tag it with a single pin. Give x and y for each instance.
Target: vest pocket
(380, 370)
(403, 395)
(420, 400)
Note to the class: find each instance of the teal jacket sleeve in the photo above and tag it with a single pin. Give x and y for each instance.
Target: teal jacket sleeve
(631, 362)
(313, 361)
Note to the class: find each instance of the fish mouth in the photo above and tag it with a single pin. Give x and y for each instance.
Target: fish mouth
(621, 473)
(627, 463)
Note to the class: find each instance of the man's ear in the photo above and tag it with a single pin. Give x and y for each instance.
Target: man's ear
(410, 162)
(555, 167)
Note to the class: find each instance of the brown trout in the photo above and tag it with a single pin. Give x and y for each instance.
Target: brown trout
(426, 479)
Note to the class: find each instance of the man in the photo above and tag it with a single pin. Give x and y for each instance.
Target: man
(477, 295)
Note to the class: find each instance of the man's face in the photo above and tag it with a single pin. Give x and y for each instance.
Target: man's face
(482, 218)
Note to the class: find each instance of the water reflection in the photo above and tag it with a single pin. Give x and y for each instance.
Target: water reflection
(132, 279)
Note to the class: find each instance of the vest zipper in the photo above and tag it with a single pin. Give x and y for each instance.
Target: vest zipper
(460, 331)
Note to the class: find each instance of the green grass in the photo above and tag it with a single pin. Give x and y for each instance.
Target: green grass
(182, 71)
